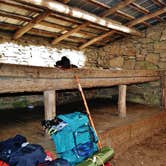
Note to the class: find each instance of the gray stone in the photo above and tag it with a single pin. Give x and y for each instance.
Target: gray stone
(163, 36)
(129, 64)
(160, 46)
(153, 58)
(116, 62)
(145, 65)
(162, 65)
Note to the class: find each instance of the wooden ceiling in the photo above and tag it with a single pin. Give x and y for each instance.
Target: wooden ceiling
(82, 23)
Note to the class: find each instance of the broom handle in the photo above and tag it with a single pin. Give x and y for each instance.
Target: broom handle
(87, 110)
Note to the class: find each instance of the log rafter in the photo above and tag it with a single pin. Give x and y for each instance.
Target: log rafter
(104, 14)
(130, 24)
(20, 32)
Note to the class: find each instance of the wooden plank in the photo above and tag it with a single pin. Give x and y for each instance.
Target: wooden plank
(13, 70)
(120, 5)
(139, 8)
(163, 91)
(125, 15)
(81, 14)
(62, 37)
(99, 4)
(98, 38)
(20, 32)
(104, 14)
(15, 16)
(131, 23)
(14, 84)
(147, 17)
(122, 101)
(49, 104)
(159, 3)
(22, 6)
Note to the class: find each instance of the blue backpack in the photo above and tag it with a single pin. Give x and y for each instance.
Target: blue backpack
(77, 140)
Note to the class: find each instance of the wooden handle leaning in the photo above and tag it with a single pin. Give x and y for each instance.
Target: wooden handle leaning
(87, 110)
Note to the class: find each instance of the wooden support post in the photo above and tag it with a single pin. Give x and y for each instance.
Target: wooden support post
(49, 104)
(163, 91)
(122, 101)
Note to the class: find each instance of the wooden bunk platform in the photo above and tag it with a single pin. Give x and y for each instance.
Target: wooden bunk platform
(21, 78)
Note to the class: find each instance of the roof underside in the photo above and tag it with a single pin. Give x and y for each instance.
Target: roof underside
(138, 14)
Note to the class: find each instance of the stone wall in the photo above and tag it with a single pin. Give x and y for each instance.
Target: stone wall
(147, 52)
(38, 51)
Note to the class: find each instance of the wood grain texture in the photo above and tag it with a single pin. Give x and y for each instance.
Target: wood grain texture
(49, 104)
(20, 78)
(122, 101)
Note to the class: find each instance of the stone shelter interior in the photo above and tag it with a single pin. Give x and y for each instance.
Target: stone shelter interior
(118, 50)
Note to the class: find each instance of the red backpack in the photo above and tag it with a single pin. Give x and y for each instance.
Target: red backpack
(2, 163)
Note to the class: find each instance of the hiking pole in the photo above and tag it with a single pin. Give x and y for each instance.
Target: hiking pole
(87, 109)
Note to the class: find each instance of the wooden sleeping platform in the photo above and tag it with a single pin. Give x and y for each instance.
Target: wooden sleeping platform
(21, 78)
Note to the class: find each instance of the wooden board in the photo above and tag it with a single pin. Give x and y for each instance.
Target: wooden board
(20, 78)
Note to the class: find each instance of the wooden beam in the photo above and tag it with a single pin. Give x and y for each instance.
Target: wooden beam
(116, 7)
(62, 37)
(142, 9)
(104, 14)
(64, 1)
(21, 78)
(99, 4)
(146, 17)
(131, 23)
(29, 84)
(42, 33)
(125, 15)
(98, 38)
(22, 6)
(163, 91)
(122, 101)
(159, 3)
(49, 104)
(139, 8)
(31, 24)
(15, 16)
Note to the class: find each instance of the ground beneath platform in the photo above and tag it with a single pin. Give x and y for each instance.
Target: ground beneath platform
(150, 152)
(27, 122)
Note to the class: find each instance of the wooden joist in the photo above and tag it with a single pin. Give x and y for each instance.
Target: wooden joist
(116, 7)
(104, 14)
(131, 23)
(147, 17)
(159, 3)
(20, 32)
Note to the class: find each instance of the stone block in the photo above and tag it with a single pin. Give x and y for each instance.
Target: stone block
(162, 59)
(116, 62)
(160, 45)
(145, 65)
(129, 64)
(154, 33)
(163, 55)
(153, 58)
(163, 35)
(162, 65)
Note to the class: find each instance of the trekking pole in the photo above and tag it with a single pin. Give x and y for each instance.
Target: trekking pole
(87, 110)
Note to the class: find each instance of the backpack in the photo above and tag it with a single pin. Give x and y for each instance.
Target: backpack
(77, 140)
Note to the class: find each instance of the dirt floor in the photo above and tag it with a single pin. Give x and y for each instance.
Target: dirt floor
(150, 152)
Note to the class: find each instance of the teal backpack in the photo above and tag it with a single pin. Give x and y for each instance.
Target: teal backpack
(77, 140)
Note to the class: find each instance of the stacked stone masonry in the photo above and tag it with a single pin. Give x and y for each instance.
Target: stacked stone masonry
(148, 52)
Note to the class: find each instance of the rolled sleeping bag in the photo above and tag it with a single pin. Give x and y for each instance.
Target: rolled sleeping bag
(99, 158)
